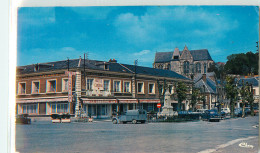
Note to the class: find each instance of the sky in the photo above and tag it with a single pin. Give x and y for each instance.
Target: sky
(127, 33)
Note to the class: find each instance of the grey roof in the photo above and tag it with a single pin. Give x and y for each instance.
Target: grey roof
(210, 85)
(253, 81)
(145, 70)
(48, 66)
(161, 57)
(198, 55)
(99, 65)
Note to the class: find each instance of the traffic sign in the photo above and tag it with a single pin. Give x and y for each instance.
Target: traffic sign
(159, 105)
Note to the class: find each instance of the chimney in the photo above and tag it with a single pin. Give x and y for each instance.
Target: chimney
(204, 77)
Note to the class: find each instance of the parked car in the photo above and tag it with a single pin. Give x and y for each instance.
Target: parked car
(226, 110)
(23, 119)
(133, 116)
(212, 115)
(238, 112)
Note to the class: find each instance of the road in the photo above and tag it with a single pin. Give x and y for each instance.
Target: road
(199, 136)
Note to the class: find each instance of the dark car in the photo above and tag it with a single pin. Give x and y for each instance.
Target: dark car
(23, 119)
(212, 115)
(238, 112)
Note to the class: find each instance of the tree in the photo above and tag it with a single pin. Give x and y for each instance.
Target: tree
(242, 64)
(231, 92)
(194, 97)
(162, 89)
(243, 93)
(181, 90)
(250, 97)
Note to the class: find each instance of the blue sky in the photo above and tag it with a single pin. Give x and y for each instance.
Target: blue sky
(127, 33)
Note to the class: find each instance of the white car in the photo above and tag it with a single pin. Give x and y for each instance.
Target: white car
(226, 110)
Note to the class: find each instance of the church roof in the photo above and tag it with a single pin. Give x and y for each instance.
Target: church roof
(161, 57)
(198, 55)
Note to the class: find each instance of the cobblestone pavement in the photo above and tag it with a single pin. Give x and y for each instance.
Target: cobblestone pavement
(233, 135)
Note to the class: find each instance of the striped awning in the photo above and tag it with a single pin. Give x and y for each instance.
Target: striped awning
(99, 101)
(40, 100)
(149, 100)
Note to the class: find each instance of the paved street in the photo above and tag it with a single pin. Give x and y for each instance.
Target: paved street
(234, 135)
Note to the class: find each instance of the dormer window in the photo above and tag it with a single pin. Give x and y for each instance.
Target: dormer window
(176, 57)
(106, 67)
(36, 67)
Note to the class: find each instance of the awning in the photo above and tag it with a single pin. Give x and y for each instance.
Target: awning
(149, 100)
(99, 101)
(40, 100)
(127, 101)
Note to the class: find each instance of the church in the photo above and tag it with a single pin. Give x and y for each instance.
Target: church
(186, 62)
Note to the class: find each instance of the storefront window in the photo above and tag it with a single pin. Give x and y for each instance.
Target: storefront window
(29, 108)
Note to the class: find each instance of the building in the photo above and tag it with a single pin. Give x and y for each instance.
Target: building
(184, 62)
(206, 83)
(251, 81)
(95, 88)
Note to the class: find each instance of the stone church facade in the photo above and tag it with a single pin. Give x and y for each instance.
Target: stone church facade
(186, 62)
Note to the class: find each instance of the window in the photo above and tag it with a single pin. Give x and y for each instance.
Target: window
(65, 84)
(198, 68)
(21, 88)
(140, 87)
(126, 86)
(151, 88)
(176, 57)
(29, 109)
(205, 68)
(89, 84)
(106, 85)
(116, 86)
(35, 86)
(186, 67)
(59, 108)
(51, 86)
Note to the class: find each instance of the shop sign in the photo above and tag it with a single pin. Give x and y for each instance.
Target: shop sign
(98, 84)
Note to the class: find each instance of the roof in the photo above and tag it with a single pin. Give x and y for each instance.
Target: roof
(99, 65)
(210, 85)
(48, 66)
(161, 57)
(198, 55)
(253, 81)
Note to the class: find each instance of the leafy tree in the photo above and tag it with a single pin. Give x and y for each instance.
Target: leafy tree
(231, 92)
(242, 64)
(162, 89)
(194, 97)
(218, 70)
(181, 90)
(243, 93)
(250, 97)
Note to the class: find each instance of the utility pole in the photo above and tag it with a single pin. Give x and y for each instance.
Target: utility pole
(257, 46)
(68, 64)
(136, 62)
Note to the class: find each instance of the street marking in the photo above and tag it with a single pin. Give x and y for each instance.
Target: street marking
(245, 145)
(226, 145)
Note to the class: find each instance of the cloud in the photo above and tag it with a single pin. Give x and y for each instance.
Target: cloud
(41, 55)
(36, 16)
(143, 52)
(93, 12)
(163, 24)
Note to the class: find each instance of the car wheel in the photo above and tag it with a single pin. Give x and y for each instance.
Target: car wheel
(114, 121)
(134, 121)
